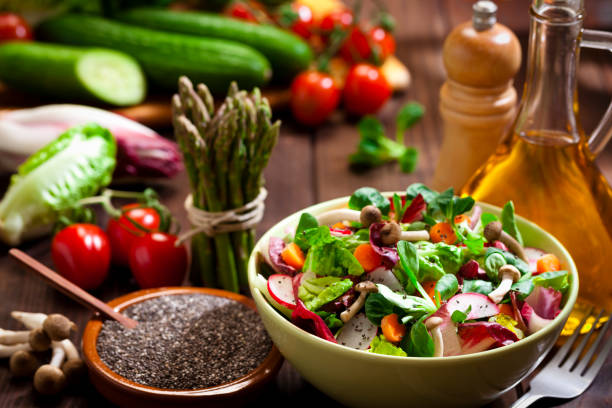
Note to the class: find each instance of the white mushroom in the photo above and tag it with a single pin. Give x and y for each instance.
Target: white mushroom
(8, 350)
(29, 320)
(363, 288)
(508, 274)
(14, 337)
(49, 379)
(369, 215)
(391, 233)
(433, 325)
(74, 368)
(334, 216)
(494, 232)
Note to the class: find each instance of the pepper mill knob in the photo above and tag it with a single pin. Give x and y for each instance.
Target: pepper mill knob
(482, 52)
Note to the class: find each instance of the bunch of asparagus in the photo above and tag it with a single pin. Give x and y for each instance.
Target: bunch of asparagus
(225, 153)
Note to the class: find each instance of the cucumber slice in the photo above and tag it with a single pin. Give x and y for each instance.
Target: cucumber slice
(73, 73)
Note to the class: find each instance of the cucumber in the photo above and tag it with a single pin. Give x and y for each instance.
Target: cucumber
(73, 73)
(166, 56)
(287, 53)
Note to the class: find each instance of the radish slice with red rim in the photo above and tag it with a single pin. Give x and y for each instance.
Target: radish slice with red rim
(280, 288)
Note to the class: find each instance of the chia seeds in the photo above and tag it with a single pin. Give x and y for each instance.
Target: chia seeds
(185, 342)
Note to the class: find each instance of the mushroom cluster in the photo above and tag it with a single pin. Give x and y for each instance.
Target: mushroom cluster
(43, 332)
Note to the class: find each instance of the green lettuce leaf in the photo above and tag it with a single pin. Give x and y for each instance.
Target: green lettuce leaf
(74, 166)
(477, 286)
(419, 343)
(509, 222)
(319, 291)
(380, 345)
(557, 280)
(307, 222)
(369, 196)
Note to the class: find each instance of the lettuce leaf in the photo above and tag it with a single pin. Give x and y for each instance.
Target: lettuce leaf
(380, 345)
(328, 255)
(557, 280)
(74, 166)
(307, 221)
(319, 291)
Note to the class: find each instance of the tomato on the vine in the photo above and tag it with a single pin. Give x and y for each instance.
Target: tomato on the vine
(297, 18)
(366, 90)
(382, 42)
(314, 96)
(81, 253)
(241, 11)
(156, 261)
(375, 45)
(122, 233)
(337, 19)
(14, 27)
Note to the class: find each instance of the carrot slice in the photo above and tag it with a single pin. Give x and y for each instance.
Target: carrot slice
(506, 308)
(367, 257)
(392, 329)
(339, 225)
(462, 217)
(442, 232)
(548, 263)
(430, 288)
(293, 256)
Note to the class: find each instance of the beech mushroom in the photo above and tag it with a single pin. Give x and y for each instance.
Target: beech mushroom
(49, 379)
(494, 232)
(29, 320)
(334, 216)
(39, 340)
(370, 215)
(8, 350)
(23, 363)
(58, 327)
(433, 325)
(13, 337)
(74, 368)
(391, 233)
(508, 275)
(363, 288)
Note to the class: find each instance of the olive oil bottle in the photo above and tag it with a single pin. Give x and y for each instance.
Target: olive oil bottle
(546, 165)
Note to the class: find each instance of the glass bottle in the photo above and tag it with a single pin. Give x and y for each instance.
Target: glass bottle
(546, 165)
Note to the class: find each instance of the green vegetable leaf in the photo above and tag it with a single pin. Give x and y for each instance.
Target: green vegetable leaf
(438, 259)
(408, 160)
(352, 241)
(510, 258)
(380, 345)
(409, 261)
(419, 343)
(459, 317)
(441, 202)
(446, 287)
(377, 307)
(412, 306)
(494, 261)
(74, 166)
(487, 218)
(557, 280)
(328, 255)
(418, 188)
(319, 291)
(369, 196)
(330, 319)
(397, 207)
(307, 221)
(523, 288)
(410, 114)
(509, 222)
(477, 286)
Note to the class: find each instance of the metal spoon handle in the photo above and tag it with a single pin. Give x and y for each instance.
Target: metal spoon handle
(70, 289)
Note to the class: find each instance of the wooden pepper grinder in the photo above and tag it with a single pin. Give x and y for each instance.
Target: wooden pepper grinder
(477, 101)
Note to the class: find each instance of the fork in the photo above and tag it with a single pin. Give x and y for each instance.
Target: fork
(565, 375)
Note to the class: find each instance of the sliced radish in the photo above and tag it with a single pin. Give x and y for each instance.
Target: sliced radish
(448, 328)
(533, 254)
(481, 305)
(357, 333)
(281, 289)
(386, 277)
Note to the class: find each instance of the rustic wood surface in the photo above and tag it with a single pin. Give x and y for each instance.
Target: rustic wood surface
(310, 165)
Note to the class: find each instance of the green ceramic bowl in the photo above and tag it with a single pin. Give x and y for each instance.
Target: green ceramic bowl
(361, 379)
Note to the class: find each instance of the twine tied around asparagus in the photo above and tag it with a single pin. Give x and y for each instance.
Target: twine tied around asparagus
(213, 223)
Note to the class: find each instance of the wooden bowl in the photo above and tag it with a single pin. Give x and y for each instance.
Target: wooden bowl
(126, 393)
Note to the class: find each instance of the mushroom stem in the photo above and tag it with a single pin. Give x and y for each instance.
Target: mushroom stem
(70, 349)
(433, 325)
(422, 235)
(74, 368)
(509, 274)
(29, 320)
(58, 355)
(8, 350)
(13, 337)
(49, 379)
(363, 288)
(334, 216)
(493, 231)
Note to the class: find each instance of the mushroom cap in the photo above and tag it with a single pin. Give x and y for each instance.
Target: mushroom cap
(433, 322)
(39, 340)
(58, 327)
(23, 363)
(370, 215)
(390, 233)
(509, 270)
(366, 286)
(493, 231)
(75, 370)
(49, 380)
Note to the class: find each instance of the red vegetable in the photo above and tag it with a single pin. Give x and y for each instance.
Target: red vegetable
(546, 302)
(275, 248)
(14, 28)
(81, 253)
(314, 96)
(311, 322)
(366, 90)
(241, 11)
(156, 261)
(303, 23)
(414, 212)
(388, 254)
(122, 233)
(480, 336)
(337, 19)
(382, 43)
(374, 46)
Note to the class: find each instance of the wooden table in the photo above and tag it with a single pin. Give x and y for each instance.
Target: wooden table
(310, 165)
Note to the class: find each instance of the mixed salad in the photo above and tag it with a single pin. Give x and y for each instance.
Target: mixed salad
(423, 274)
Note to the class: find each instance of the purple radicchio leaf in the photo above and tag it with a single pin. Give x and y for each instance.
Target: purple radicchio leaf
(388, 254)
(275, 247)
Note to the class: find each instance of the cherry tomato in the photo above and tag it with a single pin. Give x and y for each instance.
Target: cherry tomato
(122, 233)
(81, 253)
(155, 261)
(13, 27)
(241, 11)
(366, 90)
(382, 42)
(340, 18)
(356, 46)
(314, 96)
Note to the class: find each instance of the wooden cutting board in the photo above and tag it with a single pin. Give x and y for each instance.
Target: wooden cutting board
(154, 112)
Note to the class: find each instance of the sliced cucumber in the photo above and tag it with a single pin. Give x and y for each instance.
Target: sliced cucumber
(73, 73)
